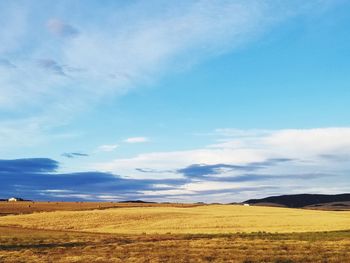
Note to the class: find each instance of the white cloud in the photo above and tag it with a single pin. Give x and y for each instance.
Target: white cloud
(315, 158)
(56, 191)
(136, 140)
(107, 147)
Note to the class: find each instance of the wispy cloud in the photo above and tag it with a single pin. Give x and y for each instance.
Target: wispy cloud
(61, 29)
(129, 46)
(205, 170)
(7, 64)
(52, 66)
(136, 140)
(107, 148)
(74, 155)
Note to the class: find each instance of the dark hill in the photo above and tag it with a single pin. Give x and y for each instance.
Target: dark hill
(300, 200)
(137, 202)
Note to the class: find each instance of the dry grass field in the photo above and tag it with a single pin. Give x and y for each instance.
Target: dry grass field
(10, 208)
(213, 233)
(23, 245)
(210, 219)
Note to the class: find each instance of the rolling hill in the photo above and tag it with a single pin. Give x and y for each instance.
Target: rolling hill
(341, 201)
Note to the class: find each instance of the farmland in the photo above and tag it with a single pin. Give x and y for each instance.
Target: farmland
(166, 233)
(209, 219)
(28, 207)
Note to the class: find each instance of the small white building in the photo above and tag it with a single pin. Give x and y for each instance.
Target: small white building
(245, 204)
(13, 199)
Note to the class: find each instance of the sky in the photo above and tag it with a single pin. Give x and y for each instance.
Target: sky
(174, 101)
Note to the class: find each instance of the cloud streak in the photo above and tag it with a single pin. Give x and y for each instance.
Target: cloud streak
(74, 155)
(136, 140)
(61, 29)
(7, 64)
(204, 170)
(51, 66)
(107, 148)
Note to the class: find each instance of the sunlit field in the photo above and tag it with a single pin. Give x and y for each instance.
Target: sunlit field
(28, 207)
(211, 219)
(23, 245)
(210, 233)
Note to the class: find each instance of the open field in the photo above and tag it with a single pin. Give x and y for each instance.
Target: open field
(24, 245)
(210, 219)
(10, 208)
(213, 233)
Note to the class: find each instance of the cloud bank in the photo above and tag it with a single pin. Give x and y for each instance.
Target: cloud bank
(38, 179)
(278, 161)
(242, 165)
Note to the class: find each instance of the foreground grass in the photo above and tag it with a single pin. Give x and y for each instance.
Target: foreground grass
(215, 233)
(213, 219)
(24, 245)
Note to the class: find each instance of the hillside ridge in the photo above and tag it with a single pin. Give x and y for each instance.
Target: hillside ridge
(300, 200)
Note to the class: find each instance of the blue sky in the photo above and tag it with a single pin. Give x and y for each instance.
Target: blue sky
(213, 101)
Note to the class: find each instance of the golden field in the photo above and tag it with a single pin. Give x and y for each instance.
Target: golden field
(208, 233)
(27, 246)
(28, 207)
(210, 219)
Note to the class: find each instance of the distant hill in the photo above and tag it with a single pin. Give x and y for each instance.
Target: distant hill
(335, 206)
(137, 202)
(301, 200)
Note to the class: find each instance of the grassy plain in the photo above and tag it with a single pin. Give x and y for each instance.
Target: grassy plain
(28, 207)
(24, 245)
(210, 219)
(214, 233)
